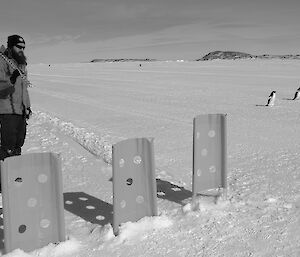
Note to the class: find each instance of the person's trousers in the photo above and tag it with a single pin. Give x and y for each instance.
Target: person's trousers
(13, 133)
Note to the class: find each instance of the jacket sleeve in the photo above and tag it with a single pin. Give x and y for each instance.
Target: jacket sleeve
(4, 81)
(26, 98)
(4, 74)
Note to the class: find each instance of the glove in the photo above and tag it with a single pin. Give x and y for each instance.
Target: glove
(4, 93)
(28, 113)
(14, 76)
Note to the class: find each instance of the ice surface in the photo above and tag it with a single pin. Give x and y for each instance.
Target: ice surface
(80, 110)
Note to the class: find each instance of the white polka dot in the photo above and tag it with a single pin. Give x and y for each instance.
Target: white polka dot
(42, 178)
(32, 202)
(137, 160)
(212, 169)
(199, 172)
(90, 207)
(82, 198)
(121, 163)
(211, 133)
(204, 152)
(45, 223)
(140, 199)
(123, 204)
(68, 202)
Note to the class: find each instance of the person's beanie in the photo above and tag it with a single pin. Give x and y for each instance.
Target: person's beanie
(14, 40)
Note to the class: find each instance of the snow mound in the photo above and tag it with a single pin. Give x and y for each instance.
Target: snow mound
(67, 248)
(131, 231)
(206, 205)
(97, 145)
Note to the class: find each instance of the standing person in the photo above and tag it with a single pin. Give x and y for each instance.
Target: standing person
(14, 98)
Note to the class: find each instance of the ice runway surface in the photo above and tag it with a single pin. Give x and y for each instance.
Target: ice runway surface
(116, 101)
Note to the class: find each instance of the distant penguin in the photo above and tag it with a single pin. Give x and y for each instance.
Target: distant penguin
(271, 99)
(297, 94)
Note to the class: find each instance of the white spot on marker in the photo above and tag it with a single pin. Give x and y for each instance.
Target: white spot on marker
(199, 172)
(137, 160)
(204, 152)
(121, 163)
(212, 169)
(211, 133)
(45, 223)
(32, 202)
(140, 199)
(123, 204)
(42, 178)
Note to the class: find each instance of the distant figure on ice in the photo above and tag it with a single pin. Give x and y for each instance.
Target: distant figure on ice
(297, 94)
(14, 97)
(271, 100)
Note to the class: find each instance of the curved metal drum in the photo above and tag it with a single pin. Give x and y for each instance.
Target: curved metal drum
(134, 184)
(209, 152)
(33, 212)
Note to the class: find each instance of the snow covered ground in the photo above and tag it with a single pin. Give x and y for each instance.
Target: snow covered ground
(80, 110)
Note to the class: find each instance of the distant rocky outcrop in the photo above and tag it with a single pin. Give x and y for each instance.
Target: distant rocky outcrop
(123, 60)
(272, 56)
(231, 55)
(225, 55)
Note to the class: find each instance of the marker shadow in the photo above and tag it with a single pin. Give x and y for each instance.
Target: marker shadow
(88, 207)
(171, 192)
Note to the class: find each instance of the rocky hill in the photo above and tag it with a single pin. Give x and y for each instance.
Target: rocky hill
(123, 60)
(231, 55)
(225, 55)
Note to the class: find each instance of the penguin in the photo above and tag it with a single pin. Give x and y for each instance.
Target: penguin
(297, 94)
(271, 99)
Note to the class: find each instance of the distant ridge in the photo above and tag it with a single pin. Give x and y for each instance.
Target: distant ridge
(232, 55)
(123, 60)
(221, 55)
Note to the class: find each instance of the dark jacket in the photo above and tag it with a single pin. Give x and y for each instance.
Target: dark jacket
(18, 101)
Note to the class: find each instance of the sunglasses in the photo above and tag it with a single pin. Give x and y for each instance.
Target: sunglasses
(20, 47)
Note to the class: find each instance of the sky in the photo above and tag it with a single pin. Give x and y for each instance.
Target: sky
(59, 31)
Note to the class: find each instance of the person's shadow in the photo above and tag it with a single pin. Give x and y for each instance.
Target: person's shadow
(88, 207)
(171, 192)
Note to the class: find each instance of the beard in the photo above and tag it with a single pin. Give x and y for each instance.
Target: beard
(19, 57)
